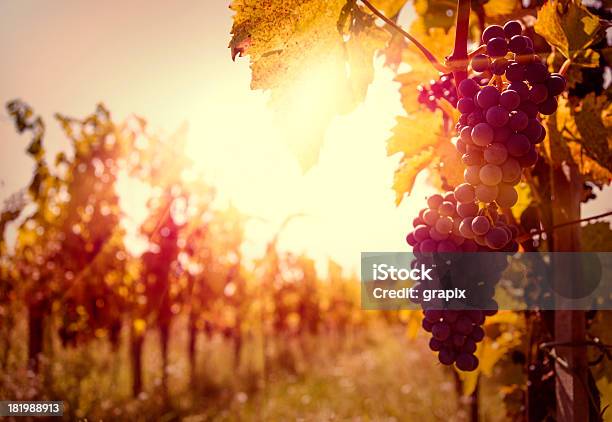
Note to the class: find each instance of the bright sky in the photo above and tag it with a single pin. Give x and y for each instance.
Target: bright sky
(169, 62)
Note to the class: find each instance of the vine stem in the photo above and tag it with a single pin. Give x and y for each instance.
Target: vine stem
(458, 60)
(527, 236)
(428, 54)
(565, 67)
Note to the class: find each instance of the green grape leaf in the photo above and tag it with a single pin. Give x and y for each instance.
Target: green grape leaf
(568, 26)
(316, 58)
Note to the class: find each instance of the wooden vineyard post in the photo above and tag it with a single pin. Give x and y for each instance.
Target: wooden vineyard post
(571, 366)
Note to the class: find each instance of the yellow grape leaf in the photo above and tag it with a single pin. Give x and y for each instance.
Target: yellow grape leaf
(567, 25)
(436, 13)
(389, 8)
(315, 64)
(583, 133)
(413, 326)
(406, 173)
(497, 8)
(437, 40)
(413, 133)
(448, 165)
(524, 199)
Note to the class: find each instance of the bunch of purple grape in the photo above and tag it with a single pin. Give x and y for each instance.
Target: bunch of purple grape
(499, 131)
(443, 88)
(455, 334)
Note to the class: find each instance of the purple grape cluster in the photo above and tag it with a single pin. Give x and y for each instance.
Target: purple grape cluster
(443, 88)
(499, 126)
(455, 334)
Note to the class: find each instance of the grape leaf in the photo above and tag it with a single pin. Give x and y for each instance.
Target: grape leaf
(568, 26)
(581, 131)
(316, 58)
(500, 8)
(406, 173)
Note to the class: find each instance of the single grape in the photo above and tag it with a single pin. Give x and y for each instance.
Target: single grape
(466, 135)
(466, 362)
(510, 99)
(499, 66)
(478, 333)
(515, 72)
(555, 84)
(441, 331)
(446, 356)
(490, 174)
(511, 169)
(468, 87)
(507, 196)
(474, 158)
(533, 130)
(466, 105)
(421, 233)
(460, 145)
(486, 193)
(538, 93)
(410, 239)
(434, 201)
(480, 62)
(512, 28)
(480, 225)
(427, 325)
(518, 120)
(450, 315)
(548, 107)
(475, 117)
(487, 97)
(521, 88)
(491, 32)
(497, 47)
(446, 209)
(469, 346)
(464, 193)
(518, 145)
(417, 222)
(497, 116)
(529, 159)
(482, 134)
(444, 225)
(465, 228)
(496, 238)
(431, 216)
(471, 175)
(529, 42)
(517, 44)
(495, 153)
(530, 108)
(502, 134)
(434, 344)
(469, 209)
(536, 72)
